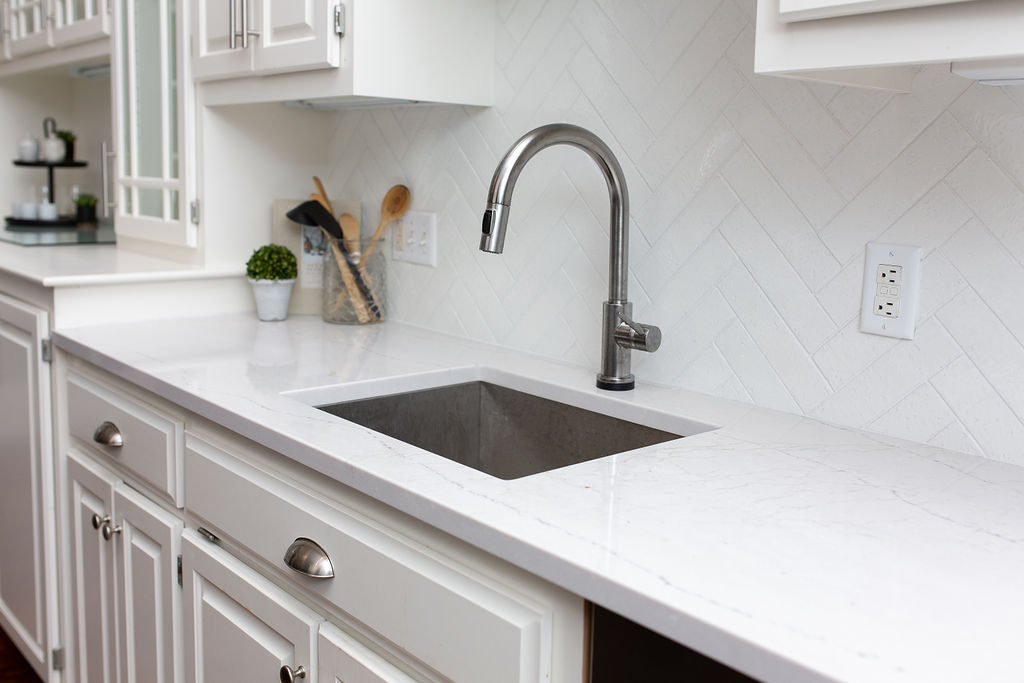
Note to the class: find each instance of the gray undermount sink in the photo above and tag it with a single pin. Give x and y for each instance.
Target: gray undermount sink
(499, 431)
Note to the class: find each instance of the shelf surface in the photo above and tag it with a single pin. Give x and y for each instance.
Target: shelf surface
(52, 164)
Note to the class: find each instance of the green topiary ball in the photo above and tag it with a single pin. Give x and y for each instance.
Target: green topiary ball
(272, 262)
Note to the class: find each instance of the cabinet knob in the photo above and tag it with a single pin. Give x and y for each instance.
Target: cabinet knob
(288, 674)
(98, 521)
(307, 557)
(107, 434)
(108, 531)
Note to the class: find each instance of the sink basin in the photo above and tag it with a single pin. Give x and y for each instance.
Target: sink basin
(497, 430)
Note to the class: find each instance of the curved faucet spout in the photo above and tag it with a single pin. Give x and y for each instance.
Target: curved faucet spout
(620, 333)
(499, 197)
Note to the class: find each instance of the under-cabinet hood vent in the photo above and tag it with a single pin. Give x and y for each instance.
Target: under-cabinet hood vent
(356, 102)
(992, 71)
(90, 71)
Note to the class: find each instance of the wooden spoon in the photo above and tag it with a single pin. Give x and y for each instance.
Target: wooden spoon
(349, 227)
(323, 193)
(394, 206)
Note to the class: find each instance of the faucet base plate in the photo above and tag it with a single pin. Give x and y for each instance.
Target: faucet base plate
(627, 383)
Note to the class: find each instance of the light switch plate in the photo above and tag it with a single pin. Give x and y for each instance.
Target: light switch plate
(415, 238)
(892, 278)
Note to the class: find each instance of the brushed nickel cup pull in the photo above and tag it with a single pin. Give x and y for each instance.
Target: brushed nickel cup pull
(107, 434)
(288, 675)
(307, 557)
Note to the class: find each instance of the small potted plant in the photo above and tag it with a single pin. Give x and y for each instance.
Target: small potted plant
(69, 144)
(272, 270)
(85, 208)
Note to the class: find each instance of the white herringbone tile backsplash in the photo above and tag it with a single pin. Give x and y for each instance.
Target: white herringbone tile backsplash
(751, 201)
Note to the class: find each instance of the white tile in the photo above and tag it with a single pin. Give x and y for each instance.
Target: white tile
(991, 272)
(753, 370)
(894, 375)
(775, 340)
(850, 352)
(994, 120)
(895, 127)
(995, 352)
(794, 170)
(993, 197)
(915, 171)
(986, 417)
(778, 279)
(792, 101)
(853, 108)
(783, 222)
(920, 416)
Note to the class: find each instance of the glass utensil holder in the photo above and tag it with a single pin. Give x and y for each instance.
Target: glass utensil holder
(355, 282)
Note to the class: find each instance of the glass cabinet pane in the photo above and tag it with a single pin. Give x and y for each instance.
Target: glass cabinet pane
(148, 98)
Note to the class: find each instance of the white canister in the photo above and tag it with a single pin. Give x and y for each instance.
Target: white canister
(29, 211)
(28, 149)
(52, 150)
(47, 211)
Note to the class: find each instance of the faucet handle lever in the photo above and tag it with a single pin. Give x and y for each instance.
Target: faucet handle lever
(634, 335)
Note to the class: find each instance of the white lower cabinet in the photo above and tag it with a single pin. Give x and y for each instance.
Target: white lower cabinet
(125, 606)
(27, 570)
(231, 599)
(239, 625)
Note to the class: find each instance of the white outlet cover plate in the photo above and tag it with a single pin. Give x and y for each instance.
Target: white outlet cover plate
(909, 258)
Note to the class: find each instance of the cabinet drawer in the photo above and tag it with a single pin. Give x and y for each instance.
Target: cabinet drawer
(460, 623)
(151, 441)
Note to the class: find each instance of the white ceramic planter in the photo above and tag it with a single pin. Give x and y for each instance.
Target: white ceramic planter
(272, 297)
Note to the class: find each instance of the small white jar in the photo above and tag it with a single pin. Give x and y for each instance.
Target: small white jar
(47, 211)
(28, 149)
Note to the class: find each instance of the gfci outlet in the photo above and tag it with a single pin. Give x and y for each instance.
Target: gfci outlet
(415, 238)
(892, 276)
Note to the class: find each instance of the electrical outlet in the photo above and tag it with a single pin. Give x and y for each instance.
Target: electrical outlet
(892, 274)
(414, 238)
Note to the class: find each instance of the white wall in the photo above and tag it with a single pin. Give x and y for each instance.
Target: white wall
(752, 199)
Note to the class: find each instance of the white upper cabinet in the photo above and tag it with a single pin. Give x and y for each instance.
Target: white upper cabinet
(244, 37)
(152, 93)
(78, 21)
(29, 27)
(380, 50)
(874, 43)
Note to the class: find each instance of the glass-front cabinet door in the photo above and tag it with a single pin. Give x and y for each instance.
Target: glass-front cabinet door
(76, 21)
(29, 26)
(152, 91)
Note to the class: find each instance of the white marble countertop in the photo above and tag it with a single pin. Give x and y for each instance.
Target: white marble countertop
(97, 264)
(788, 549)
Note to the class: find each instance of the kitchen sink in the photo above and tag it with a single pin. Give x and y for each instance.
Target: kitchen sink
(497, 430)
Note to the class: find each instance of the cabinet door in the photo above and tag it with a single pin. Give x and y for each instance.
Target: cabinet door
(343, 659)
(77, 21)
(238, 625)
(152, 92)
(295, 35)
(92, 609)
(213, 22)
(26, 480)
(29, 26)
(147, 547)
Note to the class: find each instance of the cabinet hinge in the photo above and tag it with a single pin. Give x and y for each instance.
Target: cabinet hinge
(181, 581)
(208, 535)
(46, 349)
(193, 211)
(57, 658)
(339, 19)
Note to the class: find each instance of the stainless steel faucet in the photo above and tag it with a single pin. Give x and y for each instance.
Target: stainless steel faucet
(620, 333)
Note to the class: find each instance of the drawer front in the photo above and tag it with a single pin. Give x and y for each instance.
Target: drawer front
(455, 621)
(151, 441)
